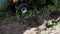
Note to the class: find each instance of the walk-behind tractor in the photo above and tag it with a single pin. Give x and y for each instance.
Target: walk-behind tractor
(23, 5)
(11, 5)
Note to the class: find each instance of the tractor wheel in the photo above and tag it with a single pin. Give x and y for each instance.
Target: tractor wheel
(23, 9)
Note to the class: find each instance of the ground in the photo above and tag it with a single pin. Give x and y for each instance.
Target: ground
(33, 25)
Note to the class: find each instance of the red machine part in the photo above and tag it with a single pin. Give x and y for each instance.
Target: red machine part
(14, 1)
(21, 1)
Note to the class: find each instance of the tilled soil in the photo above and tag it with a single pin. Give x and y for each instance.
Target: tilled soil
(34, 25)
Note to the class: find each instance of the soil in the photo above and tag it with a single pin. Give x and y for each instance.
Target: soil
(33, 25)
